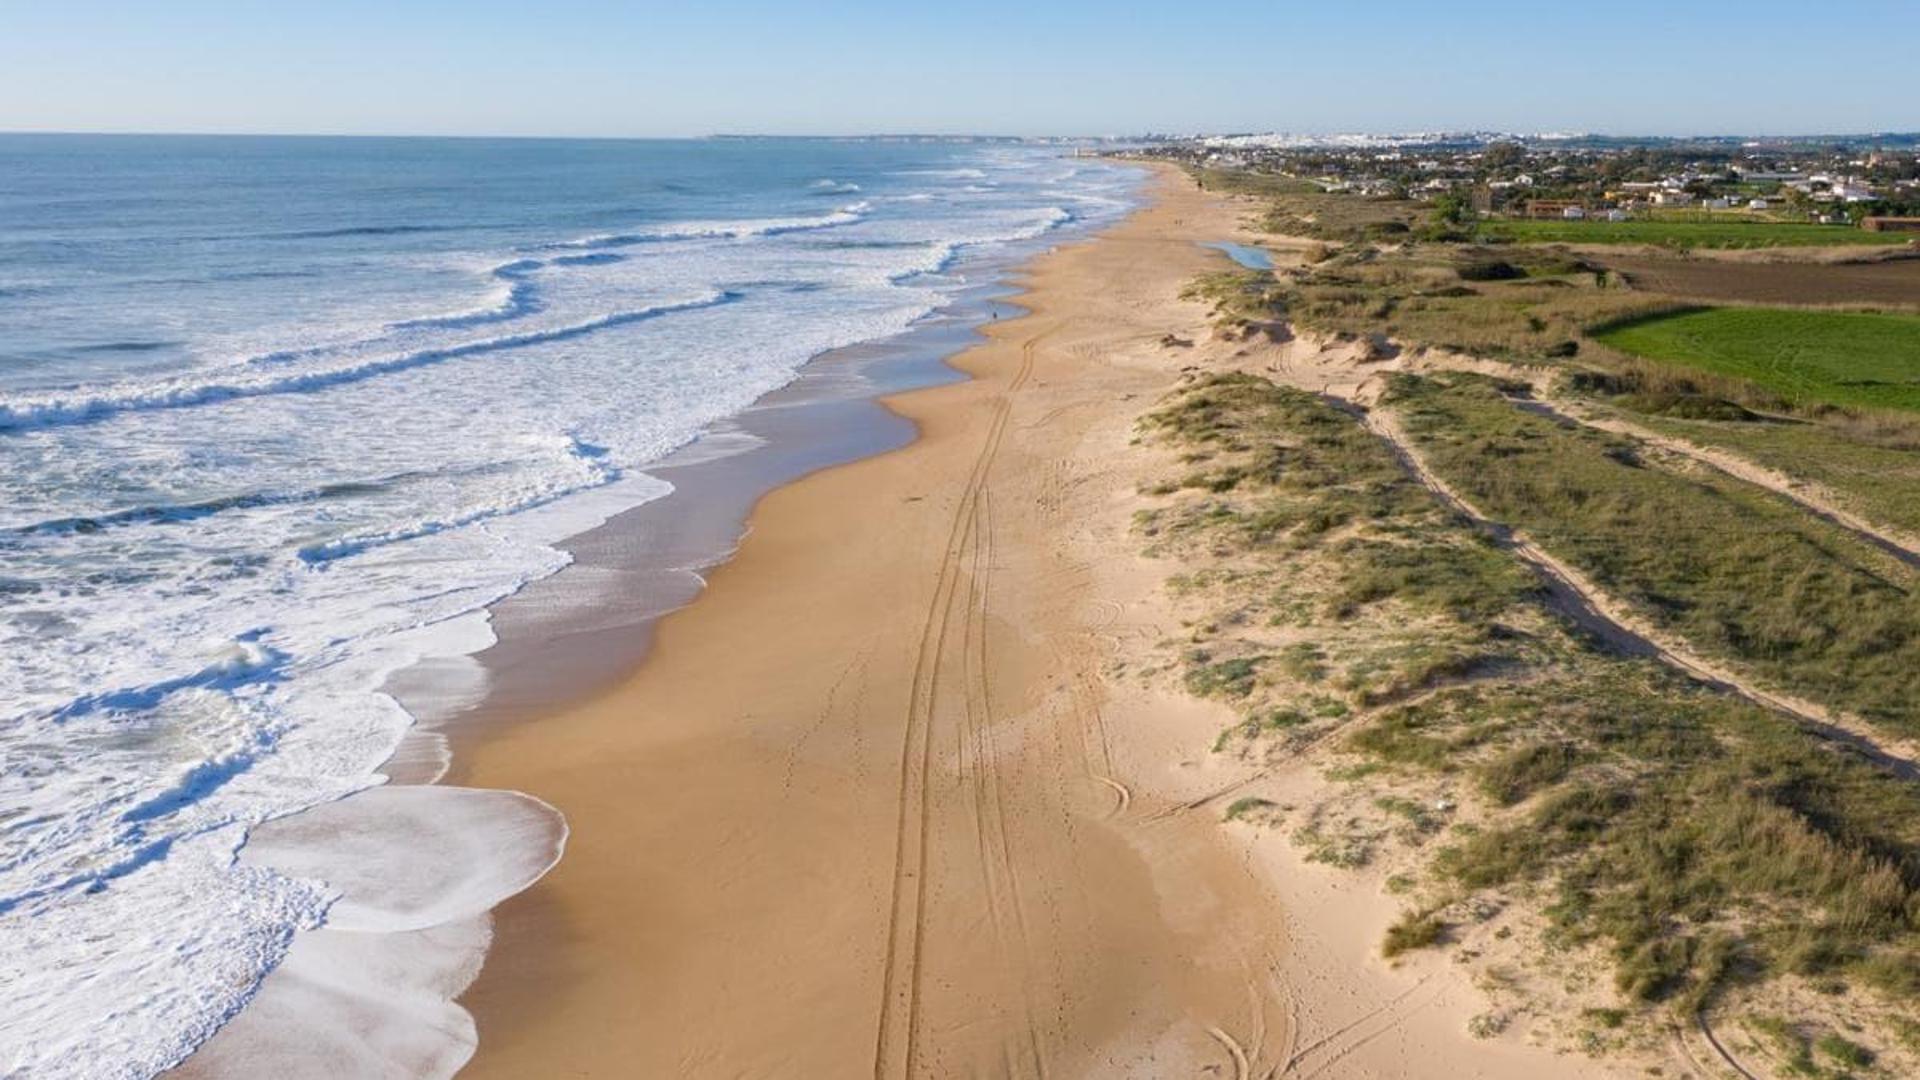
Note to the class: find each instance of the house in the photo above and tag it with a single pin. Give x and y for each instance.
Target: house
(1759, 204)
(1672, 198)
(1574, 213)
(1617, 215)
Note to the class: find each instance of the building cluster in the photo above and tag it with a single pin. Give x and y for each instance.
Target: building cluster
(1838, 181)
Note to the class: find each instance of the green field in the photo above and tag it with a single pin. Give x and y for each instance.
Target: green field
(1684, 234)
(1807, 357)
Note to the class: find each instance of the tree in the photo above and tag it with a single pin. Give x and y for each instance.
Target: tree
(1503, 155)
(1453, 209)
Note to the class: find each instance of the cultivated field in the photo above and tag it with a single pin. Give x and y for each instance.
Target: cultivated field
(1686, 234)
(1807, 357)
(1883, 283)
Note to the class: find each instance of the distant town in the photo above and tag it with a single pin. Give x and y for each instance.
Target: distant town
(1866, 182)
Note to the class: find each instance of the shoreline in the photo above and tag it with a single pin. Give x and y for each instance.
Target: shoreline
(375, 988)
(890, 796)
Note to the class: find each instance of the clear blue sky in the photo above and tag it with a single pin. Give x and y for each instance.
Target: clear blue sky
(579, 67)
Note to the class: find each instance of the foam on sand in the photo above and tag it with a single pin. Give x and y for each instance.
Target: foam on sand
(371, 994)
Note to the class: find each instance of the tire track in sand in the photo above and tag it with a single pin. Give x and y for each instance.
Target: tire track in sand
(897, 1028)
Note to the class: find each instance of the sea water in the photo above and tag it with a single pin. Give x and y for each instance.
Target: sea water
(279, 416)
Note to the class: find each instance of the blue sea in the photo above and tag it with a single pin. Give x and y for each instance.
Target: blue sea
(278, 414)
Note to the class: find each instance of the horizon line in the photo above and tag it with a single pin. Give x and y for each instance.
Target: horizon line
(1157, 135)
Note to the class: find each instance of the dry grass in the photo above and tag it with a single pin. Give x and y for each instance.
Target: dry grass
(1704, 846)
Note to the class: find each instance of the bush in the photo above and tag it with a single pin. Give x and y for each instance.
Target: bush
(1414, 930)
(1490, 270)
(1518, 773)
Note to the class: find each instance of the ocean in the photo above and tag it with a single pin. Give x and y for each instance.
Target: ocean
(281, 417)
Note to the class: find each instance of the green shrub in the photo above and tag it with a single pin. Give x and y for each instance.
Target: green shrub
(1413, 930)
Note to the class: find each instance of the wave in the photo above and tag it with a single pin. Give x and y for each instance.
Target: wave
(177, 513)
(953, 174)
(186, 393)
(597, 470)
(519, 298)
(127, 346)
(360, 230)
(950, 252)
(595, 258)
(833, 187)
(247, 662)
(726, 230)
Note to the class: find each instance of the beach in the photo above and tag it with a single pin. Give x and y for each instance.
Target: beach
(897, 793)
(608, 541)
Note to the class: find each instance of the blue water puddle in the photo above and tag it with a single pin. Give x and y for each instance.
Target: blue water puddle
(1250, 257)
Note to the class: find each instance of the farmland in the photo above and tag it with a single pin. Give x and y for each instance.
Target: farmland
(1810, 358)
(1685, 234)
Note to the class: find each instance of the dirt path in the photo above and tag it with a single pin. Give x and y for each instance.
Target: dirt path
(1810, 497)
(1349, 375)
(1614, 622)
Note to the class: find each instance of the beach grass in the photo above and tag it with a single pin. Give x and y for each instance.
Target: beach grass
(1736, 571)
(1868, 462)
(1694, 840)
(1247, 182)
(1529, 305)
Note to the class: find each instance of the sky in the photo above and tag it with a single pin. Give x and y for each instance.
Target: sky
(1070, 67)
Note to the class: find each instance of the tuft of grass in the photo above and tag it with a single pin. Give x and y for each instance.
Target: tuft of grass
(1243, 806)
(1518, 773)
(1843, 1051)
(1413, 930)
(1240, 297)
(1227, 678)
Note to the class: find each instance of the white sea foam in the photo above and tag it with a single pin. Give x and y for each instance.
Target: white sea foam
(415, 870)
(725, 230)
(85, 405)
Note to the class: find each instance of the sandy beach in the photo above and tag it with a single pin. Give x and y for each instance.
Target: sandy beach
(891, 798)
